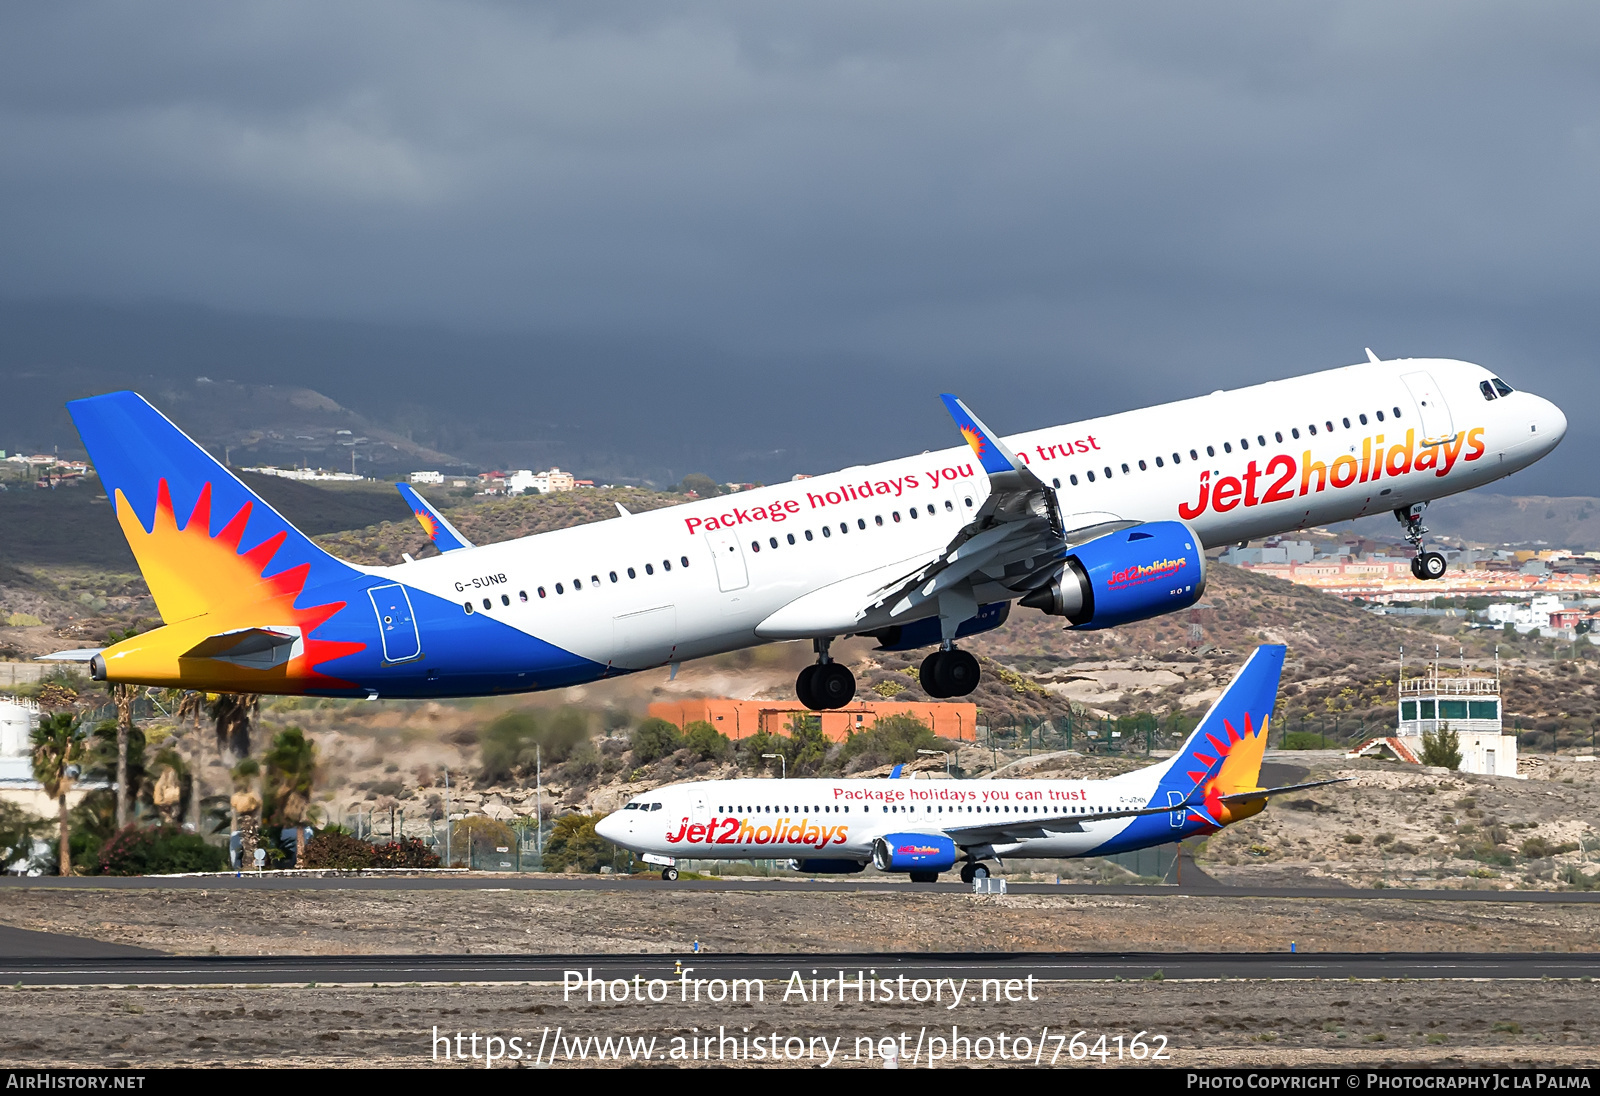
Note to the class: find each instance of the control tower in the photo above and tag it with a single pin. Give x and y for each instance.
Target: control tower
(1467, 704)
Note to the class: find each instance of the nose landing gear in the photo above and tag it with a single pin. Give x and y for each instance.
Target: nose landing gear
(1427, 566)
(826, 684)
(948, 672)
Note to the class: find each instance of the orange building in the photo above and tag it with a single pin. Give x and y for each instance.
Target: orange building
(738, 718)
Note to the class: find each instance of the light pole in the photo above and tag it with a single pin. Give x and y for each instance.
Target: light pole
(783, 765)
(447, 818)
(935, 753)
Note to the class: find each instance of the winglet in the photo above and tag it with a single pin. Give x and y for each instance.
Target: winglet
(439, 530)
(986, 445)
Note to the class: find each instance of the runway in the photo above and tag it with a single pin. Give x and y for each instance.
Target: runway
(151, 969)
(1194, 884)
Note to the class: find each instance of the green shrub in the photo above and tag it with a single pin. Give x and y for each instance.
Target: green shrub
(338, 850)
(574, 844)
(654, 739)
(1442, 748)
(513, 743)
(705, 742)
(162, 851)
(892, 740)
(1306, 740)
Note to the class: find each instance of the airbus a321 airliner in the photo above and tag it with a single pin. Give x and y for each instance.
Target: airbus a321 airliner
(1100, 522)
(924, 827)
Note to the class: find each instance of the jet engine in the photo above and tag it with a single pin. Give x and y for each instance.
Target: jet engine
(1133, 574)
(913, 852)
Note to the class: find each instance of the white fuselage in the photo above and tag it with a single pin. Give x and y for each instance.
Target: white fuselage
(712, 575)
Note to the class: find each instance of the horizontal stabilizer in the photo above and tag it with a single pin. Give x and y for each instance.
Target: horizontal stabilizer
(1263, 793)
(445, 537)
(77, 654)
(255, 648)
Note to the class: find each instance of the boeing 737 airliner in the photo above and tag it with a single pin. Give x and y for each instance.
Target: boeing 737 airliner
(1101, 522)
(924, 827)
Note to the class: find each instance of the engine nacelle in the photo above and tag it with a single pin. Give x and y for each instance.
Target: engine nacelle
(913, 852)
(925, 633)
(828, 867)
(1134, 574)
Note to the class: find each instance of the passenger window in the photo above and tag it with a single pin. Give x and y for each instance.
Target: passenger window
(930, 509)
(1295, 432)
(1073, 480)
(1227, 447)
(1329, 425)
(1244, 443)
(827, 532)
(541, 591)
(523, 594)
(613, 576)
(1090, 475)
(666, 565)
(467, 605)
(791, 538)
(1193, 455)
(1176, 459)
(772, 541)
(1210, 452)
(487, 604)
(1108, 471)
(1159, 464)
(1056, 483)
(968, 501)
(595, 579)
(877, 519)
(895, 515)
(913, 513)
(1262, 441)
(755, 546)
(684, 560)
(844, 527)
(1363, 419)
(632, 573)
(648, 569)
(577, 584)
(1313, 429)
(950, 506)
(861, 523)
(1347, 422)
(809, 536)
(505, 599)
(1125, 468)
(560, 589)
(1278, 435)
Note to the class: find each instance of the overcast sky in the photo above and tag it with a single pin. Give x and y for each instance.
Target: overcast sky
(815, 210)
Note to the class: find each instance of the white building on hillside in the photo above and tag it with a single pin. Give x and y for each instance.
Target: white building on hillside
(524, 480)
(427, 477)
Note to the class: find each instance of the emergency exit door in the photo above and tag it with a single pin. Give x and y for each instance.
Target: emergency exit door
(729, 559)
(397, 624)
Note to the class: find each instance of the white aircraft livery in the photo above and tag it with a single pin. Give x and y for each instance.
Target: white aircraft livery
(1100, 522)
(924, 827)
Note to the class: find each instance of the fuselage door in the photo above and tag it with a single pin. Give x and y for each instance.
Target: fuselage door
(1437, 425)
(729, 558)
(397, 625)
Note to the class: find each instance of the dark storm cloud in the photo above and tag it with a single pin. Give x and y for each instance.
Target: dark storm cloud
(1057, 208)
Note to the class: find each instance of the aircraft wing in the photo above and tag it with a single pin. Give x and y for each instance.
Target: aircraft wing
(1018, 537)
(436, 525)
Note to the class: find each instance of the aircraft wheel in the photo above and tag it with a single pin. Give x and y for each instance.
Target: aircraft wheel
(832, 686)
(928, 676)
(924, 877)
(1416, 568)
(669, 874)
(979, 872)
(1432, 565)
(804, 686)
(957, 673)
(966, 872)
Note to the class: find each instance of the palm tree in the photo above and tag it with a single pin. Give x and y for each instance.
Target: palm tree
(57, 750)
(232, 713)
(123, 696)
(290, 765)
(246, 804)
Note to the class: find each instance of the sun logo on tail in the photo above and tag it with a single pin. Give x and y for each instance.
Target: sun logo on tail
(976, 440)
(1239, 769)
(429, 526)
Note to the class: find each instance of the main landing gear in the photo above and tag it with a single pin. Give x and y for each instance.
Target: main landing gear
(948, 672)
(971, 871)
(1426, 566)
(825, 684)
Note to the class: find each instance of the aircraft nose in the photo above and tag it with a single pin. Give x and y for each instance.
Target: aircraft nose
(609, 827)
(1549, 422)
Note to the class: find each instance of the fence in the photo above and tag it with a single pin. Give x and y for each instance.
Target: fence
(1137, 733)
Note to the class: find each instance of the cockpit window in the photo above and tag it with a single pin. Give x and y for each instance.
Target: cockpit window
(1487, 389)
(631, 807)
(1502, 387)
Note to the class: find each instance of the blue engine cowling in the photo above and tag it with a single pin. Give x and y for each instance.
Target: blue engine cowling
(828, 867)
(913, 852)
(1134, 574)
(925, 633)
